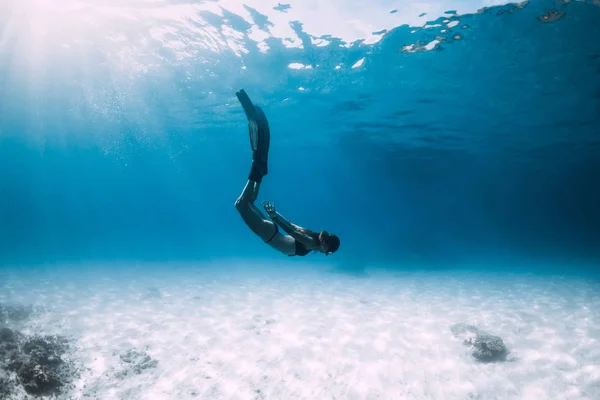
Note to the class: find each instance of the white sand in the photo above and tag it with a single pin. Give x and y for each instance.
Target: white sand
(298, 332)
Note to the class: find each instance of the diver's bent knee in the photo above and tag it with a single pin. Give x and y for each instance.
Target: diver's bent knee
(241, 204)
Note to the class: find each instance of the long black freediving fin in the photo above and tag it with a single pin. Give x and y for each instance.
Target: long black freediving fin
(258, 129)
(250, 111)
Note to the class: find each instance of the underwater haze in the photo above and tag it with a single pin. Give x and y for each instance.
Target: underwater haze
(449, 137)
(452, 145)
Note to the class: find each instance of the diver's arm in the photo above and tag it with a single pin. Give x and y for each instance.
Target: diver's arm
(293, 230)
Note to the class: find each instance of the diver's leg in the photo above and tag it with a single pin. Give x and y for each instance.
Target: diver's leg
(260, 138)
(259, 224)
(251, 215)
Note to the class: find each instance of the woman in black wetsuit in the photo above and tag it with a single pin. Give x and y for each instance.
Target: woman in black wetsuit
(298, 241)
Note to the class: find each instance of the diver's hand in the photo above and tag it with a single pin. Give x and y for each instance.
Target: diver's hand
(269, 207)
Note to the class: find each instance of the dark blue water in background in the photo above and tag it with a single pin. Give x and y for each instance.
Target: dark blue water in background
(486, 148)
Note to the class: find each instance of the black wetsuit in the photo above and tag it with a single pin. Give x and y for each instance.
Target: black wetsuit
(301, 249)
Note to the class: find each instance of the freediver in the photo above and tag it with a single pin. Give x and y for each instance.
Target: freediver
(298, 241)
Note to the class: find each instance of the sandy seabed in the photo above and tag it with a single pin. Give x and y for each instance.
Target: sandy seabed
(246, 331)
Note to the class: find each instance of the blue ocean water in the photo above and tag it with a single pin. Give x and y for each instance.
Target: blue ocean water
(465, 137)
(452, 145)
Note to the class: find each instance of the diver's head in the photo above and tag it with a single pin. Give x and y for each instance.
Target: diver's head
(328, 242)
